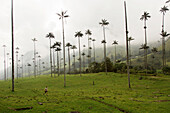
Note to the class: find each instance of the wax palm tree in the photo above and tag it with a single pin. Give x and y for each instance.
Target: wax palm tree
(34, 40)
(50, 36)
(164, 34)
(53, 47)
(4, 46)
(79, 34)
(127, 46)
(17, 51)
(39, 57)
(104, 23)
(22, 65)
(62, 16)
(145, 17)
(144, 47)
(29, 65)
(129, 40)
(7, 64)
(58, 44)
(163, 11)
(73, 48)
(154, 51)
(68, 45)
(115, 43)
(83, 54)
(12, 38)
(88, 33)
(58, 49)
(94, 50)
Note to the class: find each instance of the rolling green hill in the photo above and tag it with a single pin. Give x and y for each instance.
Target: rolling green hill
(110, 93)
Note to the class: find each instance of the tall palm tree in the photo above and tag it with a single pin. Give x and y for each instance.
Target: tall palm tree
(83, 54)
(7, 64)
(115, 43)
(12, 38)
(39, 57)
(145, 47)
(58, 49)
(104, 23)
(145, 17)
(29, 65)
(4, 46)
(163, 11)
(154, 51)
(127, 46)
(94, 50)
(164, 34)
(50, 36)
(17, 51)
(129, 40)
(88, 33)
(79, 34)
(58, 44)
(73, 48)
(22, 65)
(53, 47)
(34, 40)
(69, 45)
(62, 16)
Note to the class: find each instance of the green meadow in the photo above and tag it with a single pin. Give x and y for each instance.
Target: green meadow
(90, 93)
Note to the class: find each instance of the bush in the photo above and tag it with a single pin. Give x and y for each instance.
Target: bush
(166, 70)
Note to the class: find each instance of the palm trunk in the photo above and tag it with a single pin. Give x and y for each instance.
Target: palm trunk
(39, 66)
(12, 30)
(58, 64)
(105, 51)
(64, 53)
(69, 58)
(50, 58)
(127, 47)
(130, 54)
(115, 54)
(94, 52)
(74, 61)
(34, 60)
(22, 67)
(163, 43)
(88, 52)
(79, 56)
(83, 64)
(4, 64)
(54, 61)
(17, 64)
(7, 65)
(146, 65)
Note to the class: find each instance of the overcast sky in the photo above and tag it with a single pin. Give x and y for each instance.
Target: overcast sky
(35, 18)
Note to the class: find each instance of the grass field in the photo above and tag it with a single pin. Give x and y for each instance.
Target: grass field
(110, 94)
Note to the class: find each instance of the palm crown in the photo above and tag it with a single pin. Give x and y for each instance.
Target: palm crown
(103, 22)
(145, 16)
(164, 9)
(50, 35)
(78, 34)
(63, 14)
(88, 32)
(115, 42)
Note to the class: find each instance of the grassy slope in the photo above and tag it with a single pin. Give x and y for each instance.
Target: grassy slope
(109, 94)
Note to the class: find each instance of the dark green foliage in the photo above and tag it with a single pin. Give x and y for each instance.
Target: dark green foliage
(166, 70)
(94, 67)
(109, 65)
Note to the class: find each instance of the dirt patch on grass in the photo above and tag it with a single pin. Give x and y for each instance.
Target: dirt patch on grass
(120, 109)
(161, 101)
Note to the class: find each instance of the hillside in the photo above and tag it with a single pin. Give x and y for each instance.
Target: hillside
(109, 94)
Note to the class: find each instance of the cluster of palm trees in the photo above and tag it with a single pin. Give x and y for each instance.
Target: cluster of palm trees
(57, 46)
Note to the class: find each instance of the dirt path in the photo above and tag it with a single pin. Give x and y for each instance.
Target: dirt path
(122, 110)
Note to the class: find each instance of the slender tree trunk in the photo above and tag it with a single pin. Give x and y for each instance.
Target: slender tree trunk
(146, 65)
(12, 30)
(39, 66)
(127, 47)
(69, 59)
(163, 44)
(105, 50)
(4, 64)
(58, 64)
(83, 64)
(130, 54)
(94, 52)
(54, 61)
(22, 66)
(50, 58)
(79, 56)
(7, 65)
(64, 53)
(17, 64)
(88, 52)
(34, 60)
(74, 61)
(115, 54)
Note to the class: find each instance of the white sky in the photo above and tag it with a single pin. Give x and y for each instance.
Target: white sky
(35, 18)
